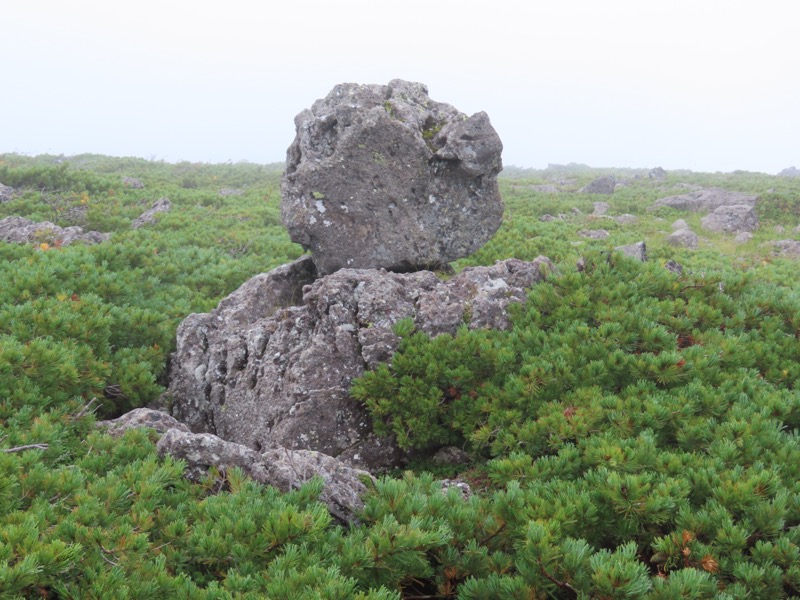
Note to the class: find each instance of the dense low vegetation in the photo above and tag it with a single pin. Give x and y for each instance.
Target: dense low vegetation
(633, 435)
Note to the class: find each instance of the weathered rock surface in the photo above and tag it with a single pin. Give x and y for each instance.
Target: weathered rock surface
(279, 467)
(707, 200)
(133, 183)
(787, 248)
(6, 193)
(601, 185)
(20, 230)
(548, 218)
(790, 172)
(270, 368)
(684, 238)
(731, 219)
(594, 234)
(657, 173)
(149, 216)
(679, 224)
(384, 177)
(637, 251)
(674, 267)
(142, 417)
(626, 219)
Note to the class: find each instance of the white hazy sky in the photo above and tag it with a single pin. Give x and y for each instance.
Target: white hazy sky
(700, 84)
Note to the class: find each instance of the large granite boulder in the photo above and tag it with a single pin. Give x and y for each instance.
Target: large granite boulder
(707, 200)
(731, 219)
(381, 176)
(272, 366)
(20, 230)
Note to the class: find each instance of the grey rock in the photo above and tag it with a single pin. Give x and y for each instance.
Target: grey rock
(384, 177)
(637, 251)
(133, 183)
(282, 468)
(267, 368)
(142, 417)
(731, 219)
(149, 216)
(461, 486)
(601, 185)
(790, 248)
(679, 224)
(548, 218)
(627, 219)
(657, 173)
(20, 230)
(743, 237)
(450, 455)
(6, 193)
(685, 238)
(594, 234)
(544, 188)
(230, 192)
(674, 267)
(790, 172)
(707, 200)
(600, 208)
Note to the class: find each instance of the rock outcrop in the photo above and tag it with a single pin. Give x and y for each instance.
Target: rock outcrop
(384, 177)
(142, 417)
(343, 486)
(790, 172)
(684, 238)
(20, 230)
(707, 200)
(149, 216)
(133, 183)
(636, 251)
(271, 366)
(601, 185)
(600, 208)
(658, 174)
(790, 248)
(731, 219)
(6, 193)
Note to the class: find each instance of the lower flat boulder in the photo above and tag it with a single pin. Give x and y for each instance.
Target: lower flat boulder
(707, 200)
(20, 230)
(731, 219)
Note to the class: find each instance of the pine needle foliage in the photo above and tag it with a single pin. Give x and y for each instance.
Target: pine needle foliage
(633, 435)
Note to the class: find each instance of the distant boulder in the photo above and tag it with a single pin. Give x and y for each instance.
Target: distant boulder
(787, 248)
(679, 224)
(657, 173)
(6, 193)
(594, 234)
(149, 216)
(20, 230)
(790, 172)
(731, 219)
(230, 192)
(637, 251)
(600, 208)
(133, 183)
(685, 238)
(601, 185)
(381, 176)
(626, 219)
(707, 200)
